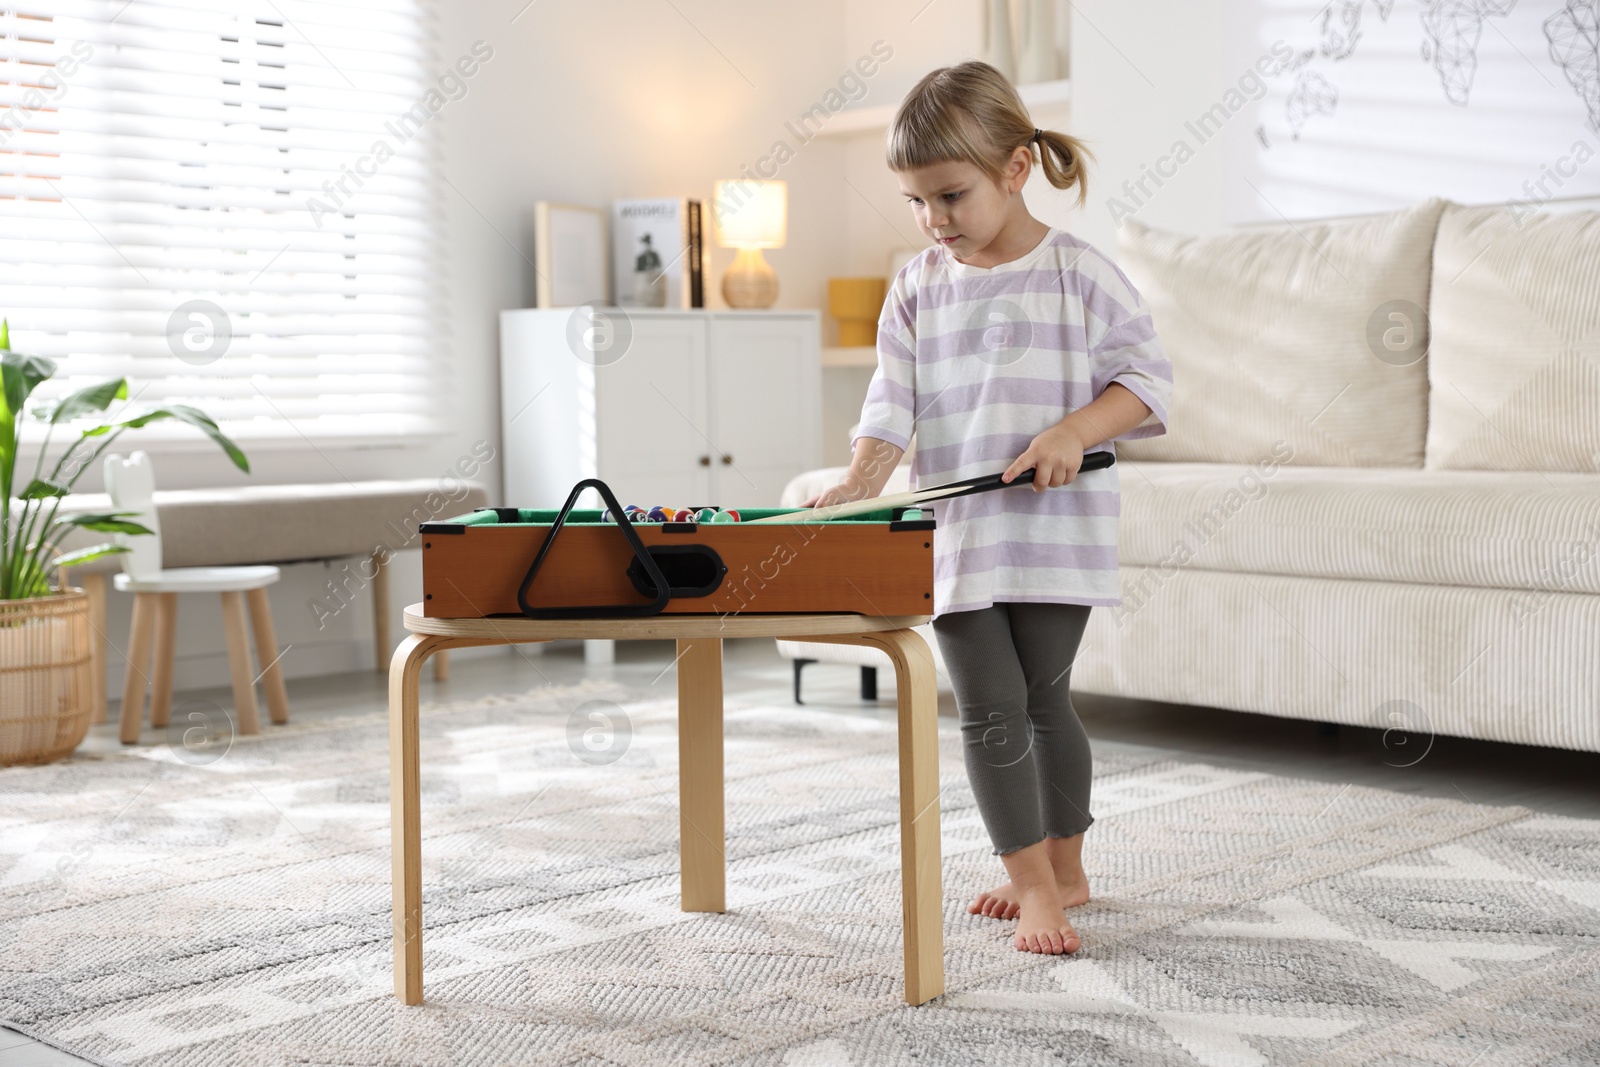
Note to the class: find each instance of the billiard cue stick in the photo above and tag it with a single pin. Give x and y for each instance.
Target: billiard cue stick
(967, 486)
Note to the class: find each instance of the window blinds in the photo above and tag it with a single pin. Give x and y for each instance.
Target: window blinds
(190, 197)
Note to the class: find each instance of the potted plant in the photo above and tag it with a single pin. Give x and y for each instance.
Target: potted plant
(44, 629)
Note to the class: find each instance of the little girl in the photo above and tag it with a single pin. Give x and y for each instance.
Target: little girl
(1009, 345)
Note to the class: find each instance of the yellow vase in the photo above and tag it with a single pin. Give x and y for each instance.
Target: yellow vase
(857, 303)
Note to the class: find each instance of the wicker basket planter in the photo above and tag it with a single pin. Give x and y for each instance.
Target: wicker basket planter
(45, 692)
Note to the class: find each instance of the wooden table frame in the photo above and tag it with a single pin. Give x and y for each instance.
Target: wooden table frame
(703, 860)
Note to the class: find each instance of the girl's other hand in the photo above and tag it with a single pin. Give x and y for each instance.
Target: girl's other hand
(838, 494)
(1055, 455)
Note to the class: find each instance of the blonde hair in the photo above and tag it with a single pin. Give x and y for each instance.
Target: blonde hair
(971, 113)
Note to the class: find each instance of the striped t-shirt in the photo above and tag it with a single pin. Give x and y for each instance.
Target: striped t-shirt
(978, 361)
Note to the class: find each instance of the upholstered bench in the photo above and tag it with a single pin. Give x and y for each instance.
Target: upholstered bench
(281, 524)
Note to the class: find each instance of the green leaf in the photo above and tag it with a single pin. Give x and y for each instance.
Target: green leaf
(5, 333)
(22, 375)
(90, 399)
(31, 581)
(39, 489)
(19, 375)
(198, 419)
(102, 522)
(88, 555)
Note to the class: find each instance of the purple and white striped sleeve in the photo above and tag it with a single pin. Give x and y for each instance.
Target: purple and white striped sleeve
(888, 413)
(1124, 348)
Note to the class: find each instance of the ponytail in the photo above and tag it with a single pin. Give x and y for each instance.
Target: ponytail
(1062, 158)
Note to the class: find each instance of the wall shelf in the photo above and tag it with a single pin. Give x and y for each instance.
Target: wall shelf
(853, 120)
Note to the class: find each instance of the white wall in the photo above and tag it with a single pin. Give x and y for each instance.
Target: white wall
(1140, 71)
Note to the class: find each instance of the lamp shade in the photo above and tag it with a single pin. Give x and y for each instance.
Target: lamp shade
(751, 214)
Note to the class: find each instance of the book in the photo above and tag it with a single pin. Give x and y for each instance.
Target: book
(658, 253)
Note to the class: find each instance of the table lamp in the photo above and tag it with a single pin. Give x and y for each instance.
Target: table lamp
(751, 215)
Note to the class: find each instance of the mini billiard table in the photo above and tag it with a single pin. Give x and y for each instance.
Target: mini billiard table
(577, 563)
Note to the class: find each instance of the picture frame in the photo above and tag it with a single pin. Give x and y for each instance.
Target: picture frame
(570, 256)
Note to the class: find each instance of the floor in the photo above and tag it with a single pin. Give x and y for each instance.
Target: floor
(1482, 772)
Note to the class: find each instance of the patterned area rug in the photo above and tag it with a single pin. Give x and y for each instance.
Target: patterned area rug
(165, 906)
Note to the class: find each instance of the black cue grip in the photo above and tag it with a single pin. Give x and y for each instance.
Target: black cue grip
(1092, 461)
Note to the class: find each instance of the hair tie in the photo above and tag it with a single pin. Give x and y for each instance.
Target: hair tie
(1037, 133)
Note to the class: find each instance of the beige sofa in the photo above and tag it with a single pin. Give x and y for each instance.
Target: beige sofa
(1379, 499)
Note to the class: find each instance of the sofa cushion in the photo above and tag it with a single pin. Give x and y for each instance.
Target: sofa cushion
(1470, 528)
(1277, 336)
(1514, 360)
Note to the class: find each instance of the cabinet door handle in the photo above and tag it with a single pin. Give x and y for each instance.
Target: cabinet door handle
(705, 461)
(727, 460)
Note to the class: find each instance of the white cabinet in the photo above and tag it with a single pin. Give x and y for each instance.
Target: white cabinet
(667, 407)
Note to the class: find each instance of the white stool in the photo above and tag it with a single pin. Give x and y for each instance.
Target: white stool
(131, 486)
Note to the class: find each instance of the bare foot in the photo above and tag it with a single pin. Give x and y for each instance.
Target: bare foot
(1042, 926)
(1001, 903)
(1004, 902)
(1075, 892)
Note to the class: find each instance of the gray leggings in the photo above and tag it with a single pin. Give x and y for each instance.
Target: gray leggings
(1027, 755)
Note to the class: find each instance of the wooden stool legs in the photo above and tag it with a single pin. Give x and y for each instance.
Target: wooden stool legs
(94, 584)
(152, 645)
(139, 638)
(380, 610)
(700, 784)
(166, 642)
(703, 859)
(921, 888)
(268, 655)
(244, 687)
(405, 811)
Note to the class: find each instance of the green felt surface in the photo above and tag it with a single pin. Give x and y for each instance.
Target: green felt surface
(591, 517)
